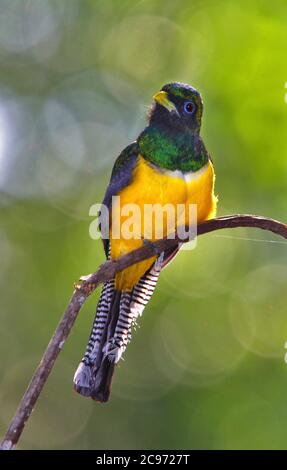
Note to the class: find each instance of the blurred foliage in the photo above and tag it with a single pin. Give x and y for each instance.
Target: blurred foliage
(206, 369)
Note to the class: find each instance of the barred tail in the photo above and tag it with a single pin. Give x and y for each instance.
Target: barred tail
(117, 312)
(85, 373)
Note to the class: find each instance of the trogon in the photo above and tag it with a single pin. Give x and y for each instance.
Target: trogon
(167, 164)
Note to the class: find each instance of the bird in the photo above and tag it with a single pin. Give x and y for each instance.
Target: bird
(167, 164)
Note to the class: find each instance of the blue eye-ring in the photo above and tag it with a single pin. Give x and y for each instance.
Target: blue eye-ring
(189, 107)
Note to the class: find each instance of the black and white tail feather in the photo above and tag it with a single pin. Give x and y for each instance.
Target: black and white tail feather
(117, 312)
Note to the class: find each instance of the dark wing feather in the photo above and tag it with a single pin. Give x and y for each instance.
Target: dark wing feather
(120, 178)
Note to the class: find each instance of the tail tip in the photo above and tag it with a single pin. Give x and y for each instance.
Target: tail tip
(101, 397)
(83, 380)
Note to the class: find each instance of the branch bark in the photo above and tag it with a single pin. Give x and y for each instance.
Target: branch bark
(88, 284)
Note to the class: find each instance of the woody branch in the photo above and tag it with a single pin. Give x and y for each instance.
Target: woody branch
(88, 284)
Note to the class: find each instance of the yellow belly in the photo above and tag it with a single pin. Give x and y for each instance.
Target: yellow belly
(148, 187)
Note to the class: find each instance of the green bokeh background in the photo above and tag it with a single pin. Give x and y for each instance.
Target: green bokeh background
(206, 369)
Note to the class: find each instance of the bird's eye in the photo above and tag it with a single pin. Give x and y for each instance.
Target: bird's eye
(189, 107)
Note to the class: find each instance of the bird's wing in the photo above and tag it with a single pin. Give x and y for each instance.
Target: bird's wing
(120, 178)
(201, 149)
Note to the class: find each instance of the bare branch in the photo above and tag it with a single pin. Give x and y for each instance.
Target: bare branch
(106, 272)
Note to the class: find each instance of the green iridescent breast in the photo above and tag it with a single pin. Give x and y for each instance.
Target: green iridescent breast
(182, 151)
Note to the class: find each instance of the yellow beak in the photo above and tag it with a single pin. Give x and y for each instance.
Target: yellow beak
(162, 98)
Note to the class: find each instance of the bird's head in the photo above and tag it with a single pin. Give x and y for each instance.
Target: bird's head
(178, 106)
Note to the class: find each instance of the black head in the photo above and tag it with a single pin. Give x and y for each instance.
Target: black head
(179, 106)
